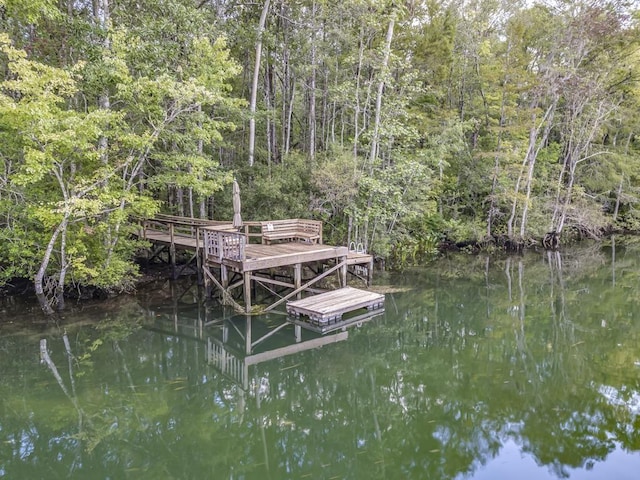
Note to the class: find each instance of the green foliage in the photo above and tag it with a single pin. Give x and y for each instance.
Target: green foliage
(273, 191)
(494, 118)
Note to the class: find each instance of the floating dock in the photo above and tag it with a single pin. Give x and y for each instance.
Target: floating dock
(329, 307)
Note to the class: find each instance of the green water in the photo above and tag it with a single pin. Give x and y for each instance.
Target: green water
(525, 367)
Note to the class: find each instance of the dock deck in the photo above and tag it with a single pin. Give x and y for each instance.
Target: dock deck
(331, 306)
(232, 259)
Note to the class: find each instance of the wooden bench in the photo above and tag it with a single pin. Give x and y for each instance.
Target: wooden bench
(291, 230)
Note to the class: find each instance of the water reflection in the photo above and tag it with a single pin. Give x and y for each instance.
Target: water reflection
(480, 368)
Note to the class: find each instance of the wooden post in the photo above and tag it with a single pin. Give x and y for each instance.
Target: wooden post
(224, 276)
(370, 272)
(343, 272)
(224, 281)
(247, 337)
(199, 255)
(297, 278)
(172, 253)
(247, 292)
(298, 333)
(207, 283)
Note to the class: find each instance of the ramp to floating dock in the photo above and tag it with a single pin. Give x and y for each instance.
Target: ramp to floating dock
(330, 306)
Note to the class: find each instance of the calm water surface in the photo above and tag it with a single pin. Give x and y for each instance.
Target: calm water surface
(480, 368)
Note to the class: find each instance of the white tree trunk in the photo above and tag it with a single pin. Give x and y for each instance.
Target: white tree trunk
(373, 154)
(254, 84)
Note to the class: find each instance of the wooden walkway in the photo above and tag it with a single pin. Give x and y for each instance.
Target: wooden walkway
(237, 261)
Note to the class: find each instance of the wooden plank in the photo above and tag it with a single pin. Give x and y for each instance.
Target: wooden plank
(334, 304)
(328, 327)
(359, 258)
(262, 257)
(305, 286)
(292, 230)
(295, 348)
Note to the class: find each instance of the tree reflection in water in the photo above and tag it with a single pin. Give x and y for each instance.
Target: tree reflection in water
(475, 357)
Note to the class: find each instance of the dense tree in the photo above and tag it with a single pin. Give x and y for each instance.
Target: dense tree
(398, 123)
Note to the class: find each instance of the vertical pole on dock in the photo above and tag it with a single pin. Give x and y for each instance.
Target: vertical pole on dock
(205, 268)
(224, 276)
(172, 253)
(297, 278)
(343, 272)
(247, 292)
(199, 255)
(370, 272)
(207, 292)
(247, 337)
(224, 281)
(298, 333)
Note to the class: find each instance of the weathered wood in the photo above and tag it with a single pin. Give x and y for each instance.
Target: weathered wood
(225, 292)
(305, 286)
(361, 263)
(333, 305)
(217, 245)
(221, 244)
(336, 324)
(271, 281)
(247, 292)
(292, 230)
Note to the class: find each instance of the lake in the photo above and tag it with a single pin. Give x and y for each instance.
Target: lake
(481, 367)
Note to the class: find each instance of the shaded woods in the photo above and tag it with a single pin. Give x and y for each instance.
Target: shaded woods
(399, 124)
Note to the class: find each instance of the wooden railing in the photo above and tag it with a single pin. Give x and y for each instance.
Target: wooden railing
(224, 243)
(225, 361)
(185, 227)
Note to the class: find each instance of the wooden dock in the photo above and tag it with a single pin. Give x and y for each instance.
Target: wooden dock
(236, 261)
(329, 307)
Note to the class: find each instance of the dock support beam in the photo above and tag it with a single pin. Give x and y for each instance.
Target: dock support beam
(297, 278)
(247, 292)
(343, 271)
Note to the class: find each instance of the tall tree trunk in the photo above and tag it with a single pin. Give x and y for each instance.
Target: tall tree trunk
(501, 125)
(254, 83)
(538, 144)
(312, 86)
(375, 138)
(620, 185)
(583, 127)
(356, 112)
(269, 89)
(38, 280)
(64, 266)
(529, 160)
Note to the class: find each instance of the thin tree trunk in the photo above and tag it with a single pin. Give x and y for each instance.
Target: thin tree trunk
(356, 113)
(64, 265)
(538, 144)
(496, 164)
(312, 87)
(269, 88)
(619, 192)
(287, 145)
(373, 154)
(254, 83)
(180, 201)
(530, 155)
(38, 281)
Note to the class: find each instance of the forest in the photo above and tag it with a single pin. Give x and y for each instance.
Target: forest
(400, 124)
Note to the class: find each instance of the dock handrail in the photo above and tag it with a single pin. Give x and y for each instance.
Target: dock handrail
(357, 248)
(222, 243)
(185, 227)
